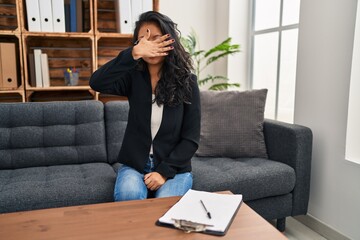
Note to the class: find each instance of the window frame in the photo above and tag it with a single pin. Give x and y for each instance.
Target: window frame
(280, 29)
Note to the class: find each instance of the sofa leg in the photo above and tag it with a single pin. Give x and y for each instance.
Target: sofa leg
(280, 224)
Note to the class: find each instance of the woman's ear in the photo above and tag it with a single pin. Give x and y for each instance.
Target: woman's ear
(148, 34)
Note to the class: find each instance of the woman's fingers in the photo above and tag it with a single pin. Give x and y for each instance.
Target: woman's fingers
(163, 42)
(162, 38)
(164, 46)
(167, 43)
(162, 51)
(154, 180)
(166, 50)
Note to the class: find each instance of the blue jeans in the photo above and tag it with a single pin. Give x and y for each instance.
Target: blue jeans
(130, 184)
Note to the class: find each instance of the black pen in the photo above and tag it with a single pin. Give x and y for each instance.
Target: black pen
(207, 212)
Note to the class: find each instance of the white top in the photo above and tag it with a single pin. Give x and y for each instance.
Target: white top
(156, 118)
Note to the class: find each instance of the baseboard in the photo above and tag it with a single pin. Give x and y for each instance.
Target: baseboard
(320, 227)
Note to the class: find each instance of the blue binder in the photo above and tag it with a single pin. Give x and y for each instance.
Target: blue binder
(73, 20)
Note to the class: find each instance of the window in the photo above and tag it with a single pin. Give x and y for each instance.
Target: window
(274, 33)
(352, 152)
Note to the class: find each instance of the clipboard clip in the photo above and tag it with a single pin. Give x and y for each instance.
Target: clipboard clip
(189, 226)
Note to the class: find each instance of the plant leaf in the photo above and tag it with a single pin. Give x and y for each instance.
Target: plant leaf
(224, 46)
(212, 79)
(197, 53)
(221, 55)
(204, 81)
(223, 86)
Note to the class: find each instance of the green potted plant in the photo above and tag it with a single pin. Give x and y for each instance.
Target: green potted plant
(203, 58)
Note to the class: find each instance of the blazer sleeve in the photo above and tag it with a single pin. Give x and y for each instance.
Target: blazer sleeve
(115, 76)
(181, 155)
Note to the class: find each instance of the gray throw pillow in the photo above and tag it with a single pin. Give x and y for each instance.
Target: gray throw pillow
(232, 124)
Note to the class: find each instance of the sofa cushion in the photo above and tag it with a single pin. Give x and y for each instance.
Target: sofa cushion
(116, 116)
(56, 186)
(232, 124)
(255, 178)
(51, 133)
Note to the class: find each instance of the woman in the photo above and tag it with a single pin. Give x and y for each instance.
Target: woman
(163, 127)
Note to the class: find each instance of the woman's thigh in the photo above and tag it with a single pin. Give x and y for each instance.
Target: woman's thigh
(176, 186)
(129, 185)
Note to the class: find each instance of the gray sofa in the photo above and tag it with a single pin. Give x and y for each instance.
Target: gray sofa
(58, 154)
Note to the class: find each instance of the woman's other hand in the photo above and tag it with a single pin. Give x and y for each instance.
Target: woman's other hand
(154, 180)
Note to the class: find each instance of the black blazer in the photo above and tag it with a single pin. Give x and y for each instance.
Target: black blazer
(178, 137)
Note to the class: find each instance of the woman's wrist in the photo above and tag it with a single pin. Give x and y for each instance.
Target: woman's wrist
(135, 53)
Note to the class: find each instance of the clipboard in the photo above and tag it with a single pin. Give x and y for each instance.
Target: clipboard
(190, 216)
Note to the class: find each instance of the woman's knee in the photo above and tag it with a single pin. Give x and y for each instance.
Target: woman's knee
(177, 186)
(129, 185)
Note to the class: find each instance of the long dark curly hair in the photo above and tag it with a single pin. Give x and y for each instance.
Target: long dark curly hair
(174, 86)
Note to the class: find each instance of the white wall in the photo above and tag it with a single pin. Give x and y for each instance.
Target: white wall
(326, 37)
(197, 15)
(238, 65)
(210, 20)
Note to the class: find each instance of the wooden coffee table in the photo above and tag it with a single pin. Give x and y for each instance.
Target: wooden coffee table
(122, 220)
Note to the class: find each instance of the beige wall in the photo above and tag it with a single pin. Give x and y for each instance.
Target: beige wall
(326, 37)
(197, 15)
(210, 20)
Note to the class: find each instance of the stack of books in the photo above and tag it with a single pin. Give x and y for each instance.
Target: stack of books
(39, 69)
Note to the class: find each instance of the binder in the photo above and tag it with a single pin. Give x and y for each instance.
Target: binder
(45, 70)
(8, 66)
(46, 18)
(79, 16)
(1, 78)
(67, 16)
(190, 215)
(147, 5)
(38, 71)
(58, 13)
(73, 18)
(136, 10)
(123, 16)
(32, 70)
(33, 15)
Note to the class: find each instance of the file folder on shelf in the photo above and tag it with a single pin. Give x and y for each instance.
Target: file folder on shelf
(67, 16)
(46, 19)
(45, 70)
(1, 78)
(136, 10)
(73, 17)
(58, 13)
(32, 74)
(190, 215)
(33, 15)
(38, 71)
(79, 16)
(123, 16)
(147, 5)
(8, 65)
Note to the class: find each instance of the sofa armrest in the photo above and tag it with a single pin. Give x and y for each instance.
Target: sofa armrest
(292, 144)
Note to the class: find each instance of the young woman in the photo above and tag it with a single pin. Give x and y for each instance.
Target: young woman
(163, 127)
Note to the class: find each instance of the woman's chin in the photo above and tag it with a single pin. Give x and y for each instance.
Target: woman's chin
(154, 60)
